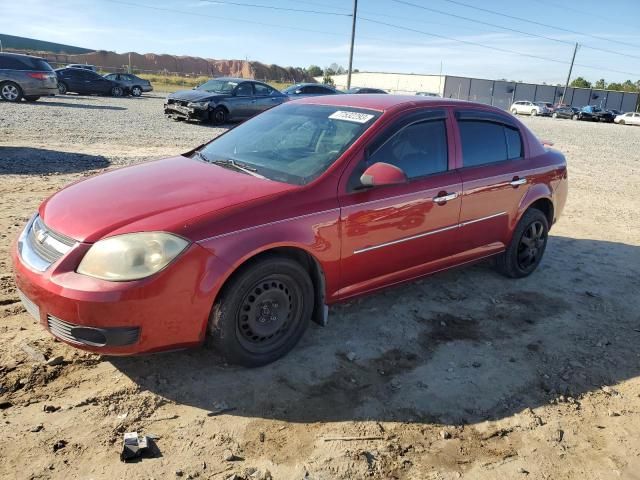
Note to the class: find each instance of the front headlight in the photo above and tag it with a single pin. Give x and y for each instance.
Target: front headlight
(200, 105)
(131, 256)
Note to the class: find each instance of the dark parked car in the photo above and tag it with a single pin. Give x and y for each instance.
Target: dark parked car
(132, 84)
(309, 90)
(24, 76)
(364, 90)
(83, 65)
(84, 81)
(564, 112)
(249, 238)
(597, 114)
(222, 99)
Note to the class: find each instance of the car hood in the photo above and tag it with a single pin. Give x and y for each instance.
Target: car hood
(196, 95)
(175, 195)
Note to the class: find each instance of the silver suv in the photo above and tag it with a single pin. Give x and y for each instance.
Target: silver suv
(24, 76)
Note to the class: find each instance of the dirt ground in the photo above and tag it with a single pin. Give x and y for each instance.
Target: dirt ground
(465, 374)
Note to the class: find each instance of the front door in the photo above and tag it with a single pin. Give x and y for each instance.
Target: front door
(393, 233)
(243, 102)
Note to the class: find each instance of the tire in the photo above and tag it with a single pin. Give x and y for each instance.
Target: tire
(621, 122)
(527, 246)
(251, 325)
(136, 91)
(31, 98)
(555, 115)
(117, 91)
(514, 111)
(575, 117)
(534, 112)
(219, 116)
(10, 92)
(62, 88)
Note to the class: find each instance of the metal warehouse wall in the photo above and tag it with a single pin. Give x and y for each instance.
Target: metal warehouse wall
(502, 94)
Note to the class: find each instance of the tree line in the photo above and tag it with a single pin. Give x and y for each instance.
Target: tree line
(626, 86)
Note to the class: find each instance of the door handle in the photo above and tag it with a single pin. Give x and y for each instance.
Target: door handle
(442, 199)
(516, 182)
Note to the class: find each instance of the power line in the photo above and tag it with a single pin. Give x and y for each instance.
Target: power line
(513, 17)
(513, 29)
(273, 7)
(498, 49)
(586, 14)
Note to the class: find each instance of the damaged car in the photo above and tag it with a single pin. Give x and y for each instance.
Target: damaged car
(221, 100)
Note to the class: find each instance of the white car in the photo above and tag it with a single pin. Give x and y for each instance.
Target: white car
(628, 119)
(525, 107)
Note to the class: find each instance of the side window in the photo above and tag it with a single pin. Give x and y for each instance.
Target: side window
(244, 90)
(418, 149)
(112, 76)
(262, 90)
(486, 142)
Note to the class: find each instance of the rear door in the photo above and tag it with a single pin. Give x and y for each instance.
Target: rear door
(494, 179)
(72, 77)
(393, 233)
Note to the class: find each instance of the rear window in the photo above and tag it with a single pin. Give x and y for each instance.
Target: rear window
(486, 142)
(11, 62)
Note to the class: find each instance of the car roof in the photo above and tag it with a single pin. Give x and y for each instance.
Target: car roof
(310, 84)
(387, 102)
(234, 79)
(7, 54)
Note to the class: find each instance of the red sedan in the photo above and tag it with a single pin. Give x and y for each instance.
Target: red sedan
(248, 238)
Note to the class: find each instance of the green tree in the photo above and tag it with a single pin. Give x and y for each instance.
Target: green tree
(614, 86)
(314, 71)
(327, 80)
(580, 83)
(601, 84)
(628, 86)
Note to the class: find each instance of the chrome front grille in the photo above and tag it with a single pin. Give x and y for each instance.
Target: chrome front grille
(62, 329)
(40, 246)
(31, 308)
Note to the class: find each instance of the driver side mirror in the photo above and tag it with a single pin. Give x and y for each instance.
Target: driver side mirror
(381, 173)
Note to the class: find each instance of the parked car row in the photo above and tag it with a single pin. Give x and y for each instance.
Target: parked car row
(29, 78)
(590, 113)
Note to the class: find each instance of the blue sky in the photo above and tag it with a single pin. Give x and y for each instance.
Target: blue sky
(223, 31)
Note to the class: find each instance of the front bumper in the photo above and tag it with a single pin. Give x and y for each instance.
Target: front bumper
(174, 110)
(166, 311)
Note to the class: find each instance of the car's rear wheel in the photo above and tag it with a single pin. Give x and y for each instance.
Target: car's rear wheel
(262, 312)
(524, 253)
(136, 91)
(117, 91)
(219, 116)
(62, 88)
(10, 92)
(31, 98)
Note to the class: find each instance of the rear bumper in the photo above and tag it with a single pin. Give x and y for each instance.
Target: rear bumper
(173, 110)
(166, 311)
(35, 91)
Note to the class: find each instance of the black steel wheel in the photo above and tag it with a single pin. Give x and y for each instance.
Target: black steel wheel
(219, 116)
(262, 312)
(529, 241)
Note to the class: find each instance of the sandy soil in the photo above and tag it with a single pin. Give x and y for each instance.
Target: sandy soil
(462, 375)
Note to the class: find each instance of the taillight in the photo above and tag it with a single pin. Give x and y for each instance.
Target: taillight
(39, 75)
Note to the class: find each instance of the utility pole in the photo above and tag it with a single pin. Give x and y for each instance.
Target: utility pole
(573, 59)
(353, 38)
(129, 69)
(0, 46)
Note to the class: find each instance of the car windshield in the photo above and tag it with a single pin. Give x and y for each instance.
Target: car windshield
(291, 143)
(292, 89)
(218, 86)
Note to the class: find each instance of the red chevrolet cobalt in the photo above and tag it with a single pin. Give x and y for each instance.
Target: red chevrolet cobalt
(247, 239)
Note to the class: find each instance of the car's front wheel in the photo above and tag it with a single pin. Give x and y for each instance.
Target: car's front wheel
(555, 115)
(262, 312)
(117, 91)
(514, 111)
(575, 117)
(621, 122)
(219, 116)
(10, 92)
(527, 245)
(534, 112)
(136, 91)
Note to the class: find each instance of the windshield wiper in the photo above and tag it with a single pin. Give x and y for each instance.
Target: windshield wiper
(238, 166)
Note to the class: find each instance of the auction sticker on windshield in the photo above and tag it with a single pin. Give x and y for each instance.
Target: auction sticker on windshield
(356, 117)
